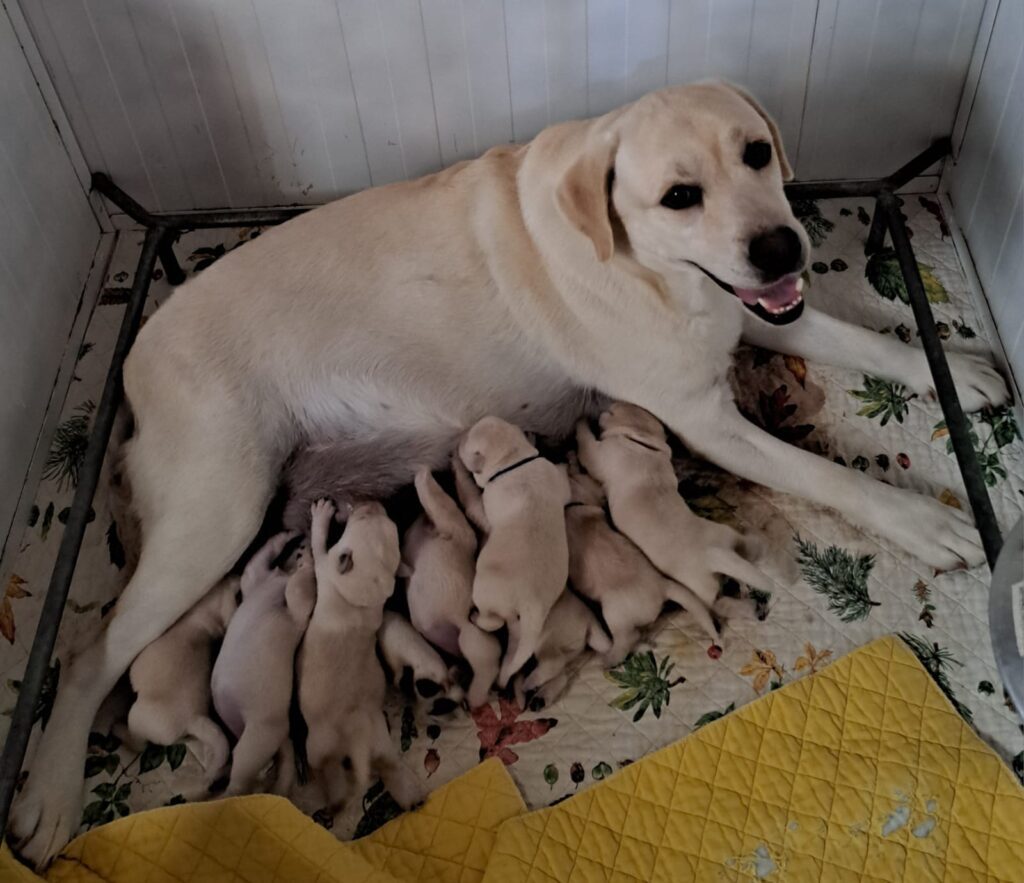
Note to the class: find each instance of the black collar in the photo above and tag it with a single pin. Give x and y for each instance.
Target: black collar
(508, 469)
(575, 503)
(645, 445)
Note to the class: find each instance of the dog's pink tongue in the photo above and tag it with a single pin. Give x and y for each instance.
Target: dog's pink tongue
(774, 297)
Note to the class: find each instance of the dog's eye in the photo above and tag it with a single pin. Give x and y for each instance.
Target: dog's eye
(757, 154)
(682, 196)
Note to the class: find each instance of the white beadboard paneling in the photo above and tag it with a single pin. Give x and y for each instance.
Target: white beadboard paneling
(191, 104)
(885, 79)
(987, 182)
(47, 239)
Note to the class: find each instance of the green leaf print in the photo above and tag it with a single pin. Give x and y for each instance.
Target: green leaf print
(936, 661)
(1002, 431)
(68, 449)
(710, 716)
(882, 399)
(646, 683)
(840, 577)
(883, 272)
(601, 771)
(551, 775)
(809, 214)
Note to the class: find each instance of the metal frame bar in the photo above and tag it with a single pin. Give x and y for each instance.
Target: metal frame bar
(163, 230)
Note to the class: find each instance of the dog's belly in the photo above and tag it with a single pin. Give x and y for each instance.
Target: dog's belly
(378, 450)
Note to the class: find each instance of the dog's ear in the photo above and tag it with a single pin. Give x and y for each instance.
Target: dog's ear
(345, 563)
(474, 461)
(584, 192)
(780, 152)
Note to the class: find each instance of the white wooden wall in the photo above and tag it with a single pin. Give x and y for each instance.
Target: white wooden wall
(987, 183)
(48, 236)
(206, 103)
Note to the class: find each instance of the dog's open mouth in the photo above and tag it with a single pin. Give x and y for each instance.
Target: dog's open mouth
(780, 303)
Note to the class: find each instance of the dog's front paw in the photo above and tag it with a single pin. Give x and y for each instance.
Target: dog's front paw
(45, 817)
(978, 383)
(940, 535)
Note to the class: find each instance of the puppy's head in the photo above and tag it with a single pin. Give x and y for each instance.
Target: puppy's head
(367, 556)
(631, 421)
(694, 176)
(491, 445)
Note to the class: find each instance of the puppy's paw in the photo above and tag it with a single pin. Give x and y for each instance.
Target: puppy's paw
(322, 511)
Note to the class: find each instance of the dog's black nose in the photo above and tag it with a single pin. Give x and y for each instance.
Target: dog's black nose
(776, 252)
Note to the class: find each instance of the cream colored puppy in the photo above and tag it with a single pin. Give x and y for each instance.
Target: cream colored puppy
(634, 463)
(253, 677)
(524, 563)
(569, 630)
(171, 680)
(341, 682)
(610, 570)
(440, 551)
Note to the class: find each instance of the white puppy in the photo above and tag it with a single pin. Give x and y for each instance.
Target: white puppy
(341, 682)
(253, 676)
(440, 551)
(524, 563)
(610, 570)
(171, 679)
(568, 631)
(634, 463)
(406, 651)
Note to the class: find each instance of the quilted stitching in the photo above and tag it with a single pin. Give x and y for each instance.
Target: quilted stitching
(861, 772)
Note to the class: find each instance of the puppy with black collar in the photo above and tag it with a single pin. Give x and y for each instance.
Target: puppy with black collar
(524, 563)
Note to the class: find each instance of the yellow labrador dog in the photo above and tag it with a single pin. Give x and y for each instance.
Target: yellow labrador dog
(625, 254)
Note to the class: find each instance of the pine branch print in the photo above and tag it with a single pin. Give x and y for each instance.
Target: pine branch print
(840, 577)
(936, 660)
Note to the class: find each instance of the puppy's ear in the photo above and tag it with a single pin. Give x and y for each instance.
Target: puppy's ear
(787, 171)
(475, 461)
(584, 192)
(345, 563)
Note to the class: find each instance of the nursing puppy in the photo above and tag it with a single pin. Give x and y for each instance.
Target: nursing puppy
(407, 654)
(171, 679)
(440, 552)
(610, 570)
(341, 682)
(524, 563)
(253, 676)
(634, 463)
(569, 630)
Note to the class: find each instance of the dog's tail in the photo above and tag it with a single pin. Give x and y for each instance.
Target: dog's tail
(686, 599)
(124, 538)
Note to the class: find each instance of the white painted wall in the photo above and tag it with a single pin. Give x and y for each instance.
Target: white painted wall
(48, 237)
(193, 103)
(986, 185)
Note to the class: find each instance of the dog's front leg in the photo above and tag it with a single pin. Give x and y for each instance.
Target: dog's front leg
(940, 535)
(823, 338)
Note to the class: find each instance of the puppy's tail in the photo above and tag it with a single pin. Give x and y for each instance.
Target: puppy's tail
(692, 605)
(523, 639)
(126, 531)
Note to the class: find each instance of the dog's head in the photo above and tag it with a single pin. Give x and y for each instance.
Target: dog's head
(694, 175)
(636, 424)
(492, 444)
(367, 556)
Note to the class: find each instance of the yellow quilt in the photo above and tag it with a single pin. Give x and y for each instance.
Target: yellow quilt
(861, 772)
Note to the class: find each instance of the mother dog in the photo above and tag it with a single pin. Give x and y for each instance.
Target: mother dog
(625, 254)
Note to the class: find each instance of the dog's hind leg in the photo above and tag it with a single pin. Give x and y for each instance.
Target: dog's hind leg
(483, 653)
(441, 509)
(201, 501)
(257, 746)
(214, 746)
